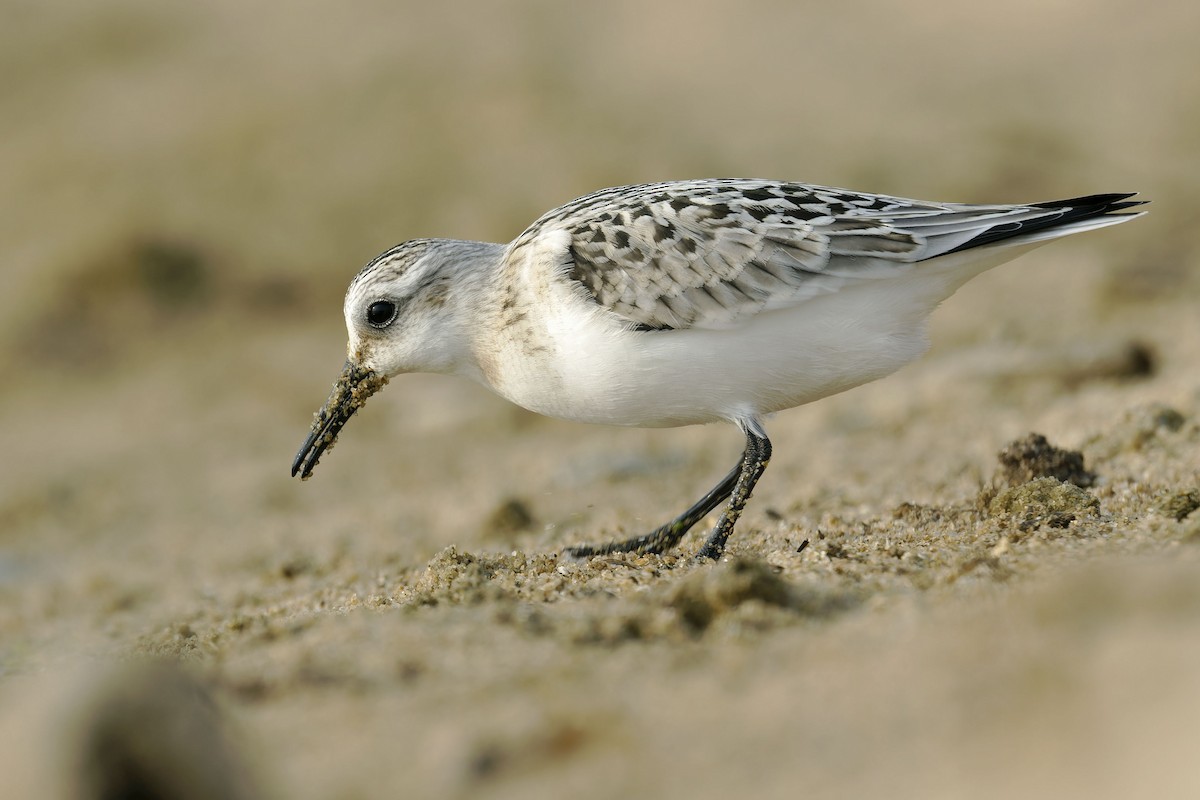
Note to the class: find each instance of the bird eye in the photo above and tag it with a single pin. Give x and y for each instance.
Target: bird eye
(381, 313)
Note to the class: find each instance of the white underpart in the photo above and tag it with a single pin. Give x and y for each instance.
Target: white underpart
(600, 372)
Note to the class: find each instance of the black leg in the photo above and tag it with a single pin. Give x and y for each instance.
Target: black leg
(736, 487)
(662, 539)
(754, 464)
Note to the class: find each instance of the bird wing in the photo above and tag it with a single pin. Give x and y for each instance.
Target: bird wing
(712, 253)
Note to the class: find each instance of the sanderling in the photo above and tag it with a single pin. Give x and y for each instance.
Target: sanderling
(682, 303)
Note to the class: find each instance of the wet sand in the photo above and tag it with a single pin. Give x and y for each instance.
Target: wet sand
(921, 600)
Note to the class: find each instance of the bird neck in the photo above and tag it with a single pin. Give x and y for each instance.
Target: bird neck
(464, 288)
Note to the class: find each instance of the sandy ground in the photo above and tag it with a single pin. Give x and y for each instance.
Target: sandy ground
(187, 189)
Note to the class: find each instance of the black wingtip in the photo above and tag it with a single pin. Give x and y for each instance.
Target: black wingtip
(1093, 205)
(1074, 209)
(1110, 201)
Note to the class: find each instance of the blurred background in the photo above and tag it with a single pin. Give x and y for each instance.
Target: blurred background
(188, 188)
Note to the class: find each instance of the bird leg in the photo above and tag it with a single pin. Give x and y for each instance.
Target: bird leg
(665, 537)
(754, 464)
(736, 487)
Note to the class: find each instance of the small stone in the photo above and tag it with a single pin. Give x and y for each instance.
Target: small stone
(1141, 428)
(1034, 457)
(1044, 501)
(152, 730)
(508, 519)
(706, 594)
(1178, 505)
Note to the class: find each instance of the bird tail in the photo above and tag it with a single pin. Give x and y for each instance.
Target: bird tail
(1058, 218)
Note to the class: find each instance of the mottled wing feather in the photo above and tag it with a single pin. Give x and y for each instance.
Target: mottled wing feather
(711, 253)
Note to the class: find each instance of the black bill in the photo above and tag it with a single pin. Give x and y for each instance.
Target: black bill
(349, 394)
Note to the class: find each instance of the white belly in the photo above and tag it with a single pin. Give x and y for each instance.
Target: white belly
(594, 371)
